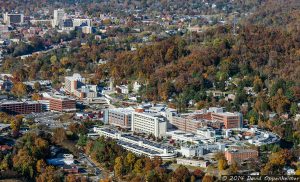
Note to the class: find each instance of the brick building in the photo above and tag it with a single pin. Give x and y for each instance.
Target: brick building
(14, 107)
(240, 155)
(230, 120)
(60, 103)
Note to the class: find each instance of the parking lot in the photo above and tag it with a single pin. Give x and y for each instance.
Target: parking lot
(50, 119)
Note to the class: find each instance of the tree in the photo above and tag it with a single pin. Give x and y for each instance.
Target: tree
(193, 178)
(138, 166)
(82, 140)
(53, 60)
(257, 84)
(198, 173)
(50, 174)
(222, 164)
(208, 178)
(276, 162)
(59, 135)
(5, 163)
(294, 109)
(148, 164)
(152, 176)
(233, 168)
(279, 102)
(130, 160)
(24, 163)
(181, 174)
(19, 89)
(157, 161)
(15, 125)
(41, 165)
(36, 96)
(37, 86)
(118, 167)
(219, 155)
(181, 103)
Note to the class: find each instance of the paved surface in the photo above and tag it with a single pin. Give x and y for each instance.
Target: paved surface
(88, 160)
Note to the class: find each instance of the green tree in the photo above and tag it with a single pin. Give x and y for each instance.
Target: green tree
(130, 160)
(294, 109)
(138, 166)
(5, 163)
(82, 140)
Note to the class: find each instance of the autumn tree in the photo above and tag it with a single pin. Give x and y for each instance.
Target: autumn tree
(36, 96)
(257, 84)
(138, 166)
(148, 164)
(59, 135)
(50, 174)
(279, 102)
(118, 167)
(157, 161)
(24, 163)
(198, 173)
(41, 165)
(37, 86)
(276, 162)
(19, 89)
(233, 167)
(130, 160)
(222, 164)
(208, 178)
(181, 174)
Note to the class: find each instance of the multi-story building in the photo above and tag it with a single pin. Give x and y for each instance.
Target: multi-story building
(120, 117)
(213, 117)
(13, 18)
(187, 124)
(77, 22)
(13, 107)
(76, 86)
(60, 103)
(149, 123)
(201, 149)
(230, 120)
(67, 24)
(139, 146)
(89, 91)
(240, 155)
(58, 17)
(73, 82)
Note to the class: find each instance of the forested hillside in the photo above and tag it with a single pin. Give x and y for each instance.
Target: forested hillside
(278, 13)
(202, 60)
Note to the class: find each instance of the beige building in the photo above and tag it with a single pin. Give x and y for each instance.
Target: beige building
(149, 123)
(191, 162)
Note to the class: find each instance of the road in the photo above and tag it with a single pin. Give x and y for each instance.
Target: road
(90, 162)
